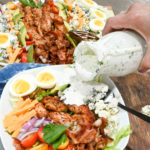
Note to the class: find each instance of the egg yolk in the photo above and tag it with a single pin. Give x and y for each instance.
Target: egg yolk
(45, 77)
(99, 14)
(21, 86)
(3, 39)
(98, 23)
(90, 2)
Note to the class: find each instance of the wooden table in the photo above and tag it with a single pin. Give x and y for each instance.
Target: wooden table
(135, 90)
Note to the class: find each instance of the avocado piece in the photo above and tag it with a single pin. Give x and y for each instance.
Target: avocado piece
(17, 17)
(54, 90)
(22, 35)
(69, 38)
(63, 87)
(63, 14)
(21, 24)
(15, 12)
(30, 54)
(59, 5)
(67, 25)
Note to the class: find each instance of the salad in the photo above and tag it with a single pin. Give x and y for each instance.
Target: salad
(33, 31)
(48, 115)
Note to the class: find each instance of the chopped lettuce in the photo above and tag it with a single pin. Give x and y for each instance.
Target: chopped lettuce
(123, 132)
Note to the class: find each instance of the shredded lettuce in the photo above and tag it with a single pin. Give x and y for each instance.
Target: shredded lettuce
(123, 132)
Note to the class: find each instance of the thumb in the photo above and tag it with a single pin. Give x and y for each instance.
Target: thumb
(145, 64)
(118, 22)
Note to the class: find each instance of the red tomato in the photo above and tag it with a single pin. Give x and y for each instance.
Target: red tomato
(24, 57)
(55, 10)
(40, 134)
(30, 37)
(69, 147)
(51, 3)
(29, 42)
(50, 148)
(29, 140)
(21, 51)
(69, 18)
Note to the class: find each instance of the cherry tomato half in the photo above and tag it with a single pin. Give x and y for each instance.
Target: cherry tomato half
(29, 42)
(51, 3)
(30, 37)
(50, 148)
(55, 10)
(21, 51)
(24, 58)
(40, 134)
(29, 140)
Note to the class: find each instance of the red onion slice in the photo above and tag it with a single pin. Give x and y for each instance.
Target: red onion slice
(23, 135)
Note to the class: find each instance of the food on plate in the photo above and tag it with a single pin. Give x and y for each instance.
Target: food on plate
(146, 110)
(46, 79)
(80, 15)
(32, 31)
(70, 116)
(22, 86)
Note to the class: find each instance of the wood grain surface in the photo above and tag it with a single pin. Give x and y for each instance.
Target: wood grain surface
(135, 90)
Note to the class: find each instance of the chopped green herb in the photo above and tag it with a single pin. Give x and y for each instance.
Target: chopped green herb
(39, 4)
(101, 63)
(52, 132)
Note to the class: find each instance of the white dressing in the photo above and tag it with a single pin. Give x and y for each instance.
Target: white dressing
(116, 54)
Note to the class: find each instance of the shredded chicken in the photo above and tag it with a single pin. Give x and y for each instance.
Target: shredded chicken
(85, 131)
(48, 32)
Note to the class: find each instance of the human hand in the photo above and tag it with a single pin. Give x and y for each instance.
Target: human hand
(136, 18)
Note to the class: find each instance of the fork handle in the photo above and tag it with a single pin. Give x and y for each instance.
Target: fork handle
(138, 114)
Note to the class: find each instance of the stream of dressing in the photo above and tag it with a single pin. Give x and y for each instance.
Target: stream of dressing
(116, 54)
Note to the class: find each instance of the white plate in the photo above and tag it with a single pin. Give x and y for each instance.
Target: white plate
(5, 106)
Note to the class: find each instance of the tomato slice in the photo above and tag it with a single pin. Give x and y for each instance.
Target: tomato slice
(24, 58)
(29, 140)
(29, 42)
(69, 147)
(50, 148)
(21, 51)
(55, 10)
(51, 3)
(30, 37)
(40, 134)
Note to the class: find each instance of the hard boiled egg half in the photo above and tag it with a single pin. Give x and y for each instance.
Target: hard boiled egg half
(97, 25)
(5, 39)
(46, 79)
(95, 13)
(86, 3)
(22, 85)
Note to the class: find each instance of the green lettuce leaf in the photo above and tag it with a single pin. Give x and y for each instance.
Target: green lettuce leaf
(123, 132)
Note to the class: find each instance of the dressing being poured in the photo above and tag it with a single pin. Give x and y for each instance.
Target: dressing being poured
(116, 54)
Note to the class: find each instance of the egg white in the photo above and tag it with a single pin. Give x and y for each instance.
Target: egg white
(94, 15)
(94, 27)
(27, 78)
(47, 85)
(85, 4)
(8, 42)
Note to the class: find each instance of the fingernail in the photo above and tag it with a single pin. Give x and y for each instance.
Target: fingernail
(142, 71)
